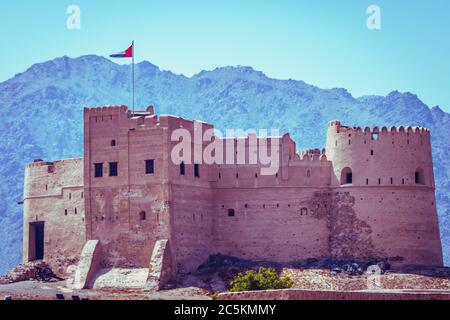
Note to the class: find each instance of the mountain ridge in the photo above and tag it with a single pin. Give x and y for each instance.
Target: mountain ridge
(41, 117)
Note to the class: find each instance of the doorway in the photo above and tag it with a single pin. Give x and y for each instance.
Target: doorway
(36, 241)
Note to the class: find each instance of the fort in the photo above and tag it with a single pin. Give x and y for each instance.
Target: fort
(369, 194)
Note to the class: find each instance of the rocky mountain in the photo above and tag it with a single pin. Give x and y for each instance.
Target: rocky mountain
(41, 117)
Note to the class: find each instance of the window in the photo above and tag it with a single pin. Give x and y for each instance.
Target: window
(113, 172)
(371, 152)
(303, 211)
(346, 176)
(392, 181)
(149, 166)
(367, 181)
(113, 143)
(98, 170)
(197, 170)
(308, 173)
(419, 176)
(182, 169)
(231, 212)
(142, 216)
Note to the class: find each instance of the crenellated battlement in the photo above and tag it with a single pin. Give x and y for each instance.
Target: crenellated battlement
(105, 110)
(376, 130)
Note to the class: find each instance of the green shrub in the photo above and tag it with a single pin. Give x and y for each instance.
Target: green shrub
(263, 279)
(215, 295)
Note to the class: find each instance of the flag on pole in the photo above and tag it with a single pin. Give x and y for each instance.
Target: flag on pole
(129, 53)
(124, 54)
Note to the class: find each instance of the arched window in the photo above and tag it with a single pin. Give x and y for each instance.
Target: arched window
(346, 176)
(419, 176)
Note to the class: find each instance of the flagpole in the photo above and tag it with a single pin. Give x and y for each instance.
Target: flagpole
(133, 73)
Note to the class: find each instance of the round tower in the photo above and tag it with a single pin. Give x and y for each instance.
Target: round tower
(384, 202)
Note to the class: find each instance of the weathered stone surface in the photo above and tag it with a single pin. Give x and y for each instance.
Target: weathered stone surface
(90, 260)
(120, 278)
(162, 269)
(22, 272)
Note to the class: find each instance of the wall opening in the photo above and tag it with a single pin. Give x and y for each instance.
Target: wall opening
(419, 176)
(346, 176)
(371, 152)
(98, 170)
(182, 169)
(113, 169)
(142, 216)
(231, 213)
(113, 143)
(375, 136)
(36, 241)
(303, 211)
(197, 170)
(149, 166)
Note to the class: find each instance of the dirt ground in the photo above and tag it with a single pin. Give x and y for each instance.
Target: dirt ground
(34, 290)
(201, 286)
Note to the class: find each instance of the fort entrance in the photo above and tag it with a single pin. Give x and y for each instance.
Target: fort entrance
(36, 241)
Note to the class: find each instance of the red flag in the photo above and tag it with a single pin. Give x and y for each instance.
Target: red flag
(124, 54)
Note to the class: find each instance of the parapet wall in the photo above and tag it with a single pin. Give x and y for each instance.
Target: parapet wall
(295, 294)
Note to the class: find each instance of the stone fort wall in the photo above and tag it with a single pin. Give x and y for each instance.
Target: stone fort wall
(307, 209)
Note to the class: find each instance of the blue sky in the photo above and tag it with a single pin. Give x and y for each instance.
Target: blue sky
(323, 42)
